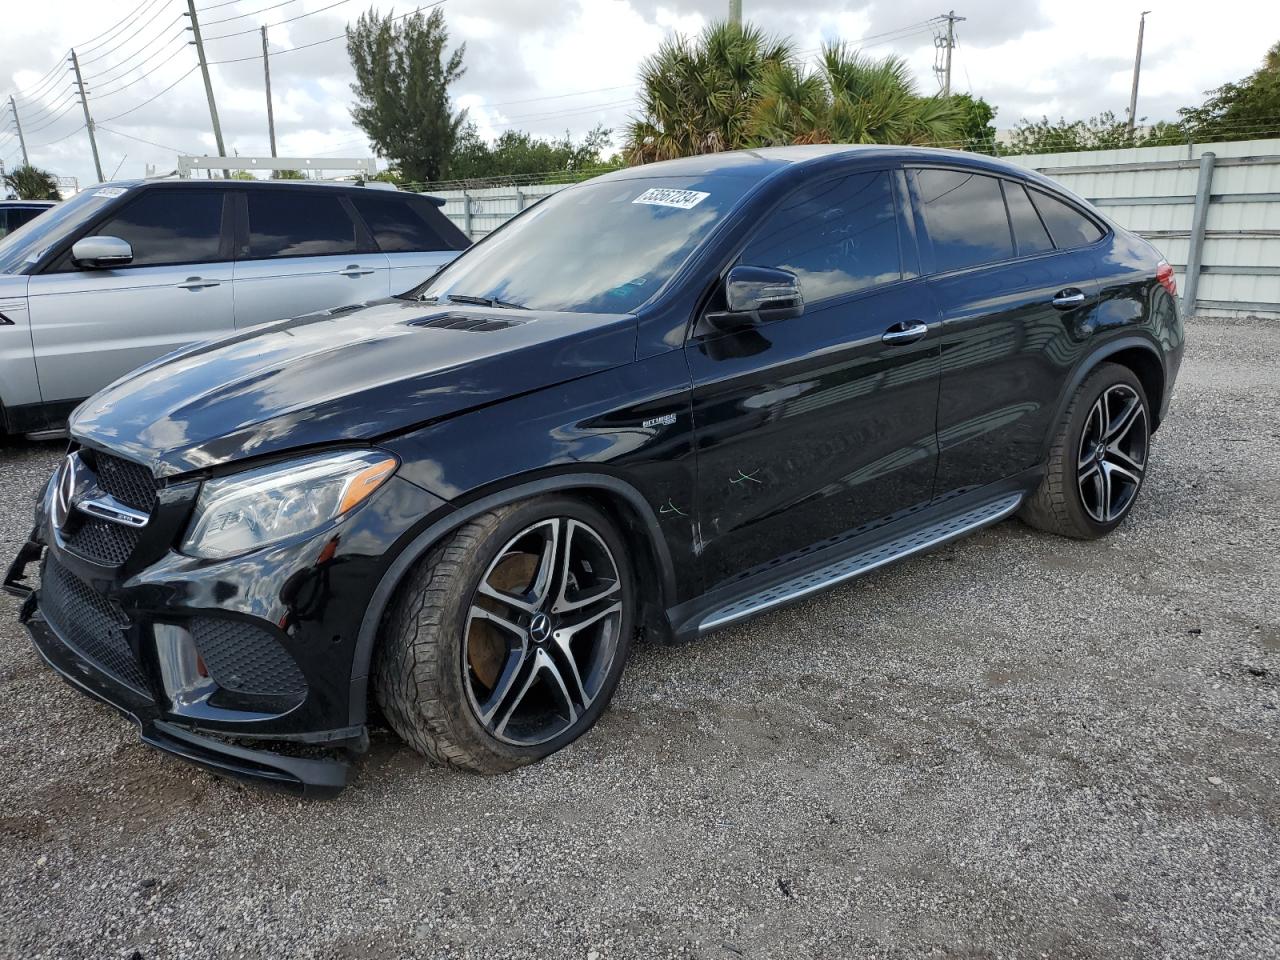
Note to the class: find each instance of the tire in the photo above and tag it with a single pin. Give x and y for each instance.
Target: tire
(443, 659)
(1087, 493)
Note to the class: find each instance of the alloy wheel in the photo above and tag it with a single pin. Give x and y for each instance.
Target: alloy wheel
(1112, 456)
(542, 631)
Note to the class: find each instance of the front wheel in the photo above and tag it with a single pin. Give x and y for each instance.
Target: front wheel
(1098, 459)
(508, 639)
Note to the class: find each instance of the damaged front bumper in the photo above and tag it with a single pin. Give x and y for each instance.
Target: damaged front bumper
(309, 776)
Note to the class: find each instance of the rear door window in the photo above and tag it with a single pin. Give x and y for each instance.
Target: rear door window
(170, 227)
(298, 223)
(965, 217)
(1067, 225)
(838, 237)
(401, 224)
(1028, 232)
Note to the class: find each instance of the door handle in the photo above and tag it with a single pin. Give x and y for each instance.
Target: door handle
(904, 332)
(1066, 299)
(197, 283)
(353, 270)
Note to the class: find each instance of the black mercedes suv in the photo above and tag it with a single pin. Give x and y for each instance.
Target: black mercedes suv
(655, 403)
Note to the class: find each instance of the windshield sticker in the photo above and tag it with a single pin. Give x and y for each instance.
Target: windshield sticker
(666, 197)
(110, 192)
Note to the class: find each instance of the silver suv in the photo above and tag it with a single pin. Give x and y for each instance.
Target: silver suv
(125, 272)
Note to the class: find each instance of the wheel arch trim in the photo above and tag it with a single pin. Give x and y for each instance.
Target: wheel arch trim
(362, 659)
(1090, 362)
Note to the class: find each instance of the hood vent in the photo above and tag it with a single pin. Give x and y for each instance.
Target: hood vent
(462, 321)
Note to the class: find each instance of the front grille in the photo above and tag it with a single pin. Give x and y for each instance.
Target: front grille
(130, 483)
(87, 621)
(246, 659)
(104, 542)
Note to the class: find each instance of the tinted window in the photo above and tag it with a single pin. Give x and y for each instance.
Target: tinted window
(1068, 227)
(964, 213)
(169, 226)
(400, 224)
(1028, 231)
(11, 218)
(837, 237)
(298, 223)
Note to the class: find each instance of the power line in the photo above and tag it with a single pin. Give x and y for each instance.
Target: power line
(129, 136)
(90, 45)
(50, 143)
(140, 49)
(155, 97)
(104, 78)
(45, 110)
(254, 13)
(316, 43)
(49, 122)
(151, 8)
(280, 23)
(44, 84)
(144, 76)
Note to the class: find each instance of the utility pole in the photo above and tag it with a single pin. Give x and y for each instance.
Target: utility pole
(266, 72)
(88, 120)
(949, 44)
(735, 12)
(1137, 68)
(208, 85)
(18, 123)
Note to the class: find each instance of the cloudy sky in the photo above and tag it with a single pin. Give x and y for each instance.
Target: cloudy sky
(563, 65)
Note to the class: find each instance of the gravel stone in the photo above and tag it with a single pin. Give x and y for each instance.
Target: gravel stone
(1015, 746)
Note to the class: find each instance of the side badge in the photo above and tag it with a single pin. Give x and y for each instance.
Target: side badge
(663, 421)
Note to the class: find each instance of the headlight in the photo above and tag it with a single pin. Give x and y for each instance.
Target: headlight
(244, 512)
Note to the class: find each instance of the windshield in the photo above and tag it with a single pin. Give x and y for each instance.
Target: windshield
(599, 247)
(21, 249)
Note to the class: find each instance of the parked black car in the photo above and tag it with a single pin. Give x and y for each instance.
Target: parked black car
(659, 401)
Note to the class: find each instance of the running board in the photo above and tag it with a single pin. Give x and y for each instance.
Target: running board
(846, 569)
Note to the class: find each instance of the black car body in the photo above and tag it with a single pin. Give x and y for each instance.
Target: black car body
(18, 213)
(748, 452)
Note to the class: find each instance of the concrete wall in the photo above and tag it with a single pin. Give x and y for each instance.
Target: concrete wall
(1150, 190)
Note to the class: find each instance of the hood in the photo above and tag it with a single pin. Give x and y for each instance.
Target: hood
(346, 374)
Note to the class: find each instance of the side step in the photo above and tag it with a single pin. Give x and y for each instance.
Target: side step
(878, 556)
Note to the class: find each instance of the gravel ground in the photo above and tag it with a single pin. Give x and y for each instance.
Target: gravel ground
(1016, 746)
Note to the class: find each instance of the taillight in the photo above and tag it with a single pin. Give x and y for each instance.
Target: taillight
(1164, 277)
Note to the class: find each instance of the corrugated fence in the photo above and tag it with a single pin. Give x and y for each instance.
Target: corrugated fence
(1213, 209)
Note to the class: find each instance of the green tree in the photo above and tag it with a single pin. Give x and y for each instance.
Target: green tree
(698, 95)
(287, 175)
(402, 90)
(1103, 132)
(1246, 110)
(850, 98)
(976, 128)
(516, 153)
(31, 183)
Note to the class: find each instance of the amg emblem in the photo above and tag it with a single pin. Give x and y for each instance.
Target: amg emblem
(663, 421)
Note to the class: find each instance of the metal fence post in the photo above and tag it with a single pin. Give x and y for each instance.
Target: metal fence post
(1199, 217)
(466, 213)
(519, 199)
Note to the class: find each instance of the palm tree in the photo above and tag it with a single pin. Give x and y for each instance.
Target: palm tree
(697, 96)
(851, 98)
(31, 183)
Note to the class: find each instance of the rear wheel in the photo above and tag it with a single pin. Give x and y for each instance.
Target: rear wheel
(508, 639)
(1098, 459)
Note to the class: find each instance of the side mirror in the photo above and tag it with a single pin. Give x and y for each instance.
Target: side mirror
(755, 295)
(99, 253)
